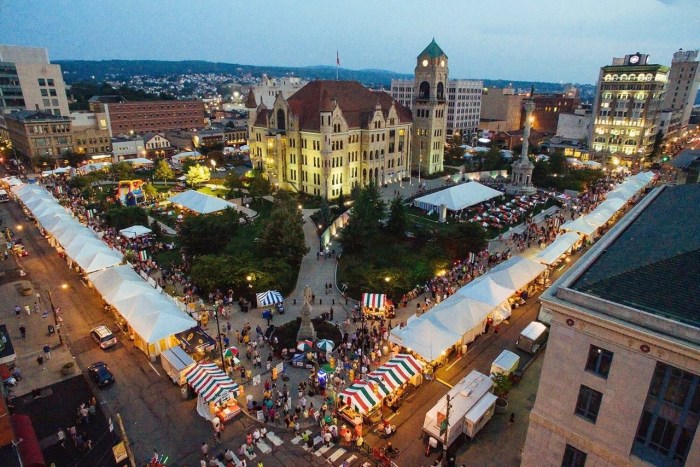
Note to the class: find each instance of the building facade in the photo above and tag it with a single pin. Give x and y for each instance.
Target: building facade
(38, 134)
(28, 81)
(575, 126)
(683, 80)
(157, 146)
(329, 137)
(128, 118)
(620, 383)
(464, 103)
(90, 133)
(501, 109)
(629, 97)
(548, 108)
(266, 92)
(127, 148)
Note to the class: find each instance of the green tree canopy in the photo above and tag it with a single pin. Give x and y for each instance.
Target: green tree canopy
(123, 217)
(467, 237)
(365, 219)
(197, 174)
(557, 163)
(149, 191)
(163, 171)
(208, 233)
(122, 171)
(283, 234)
(398, 217)
(259, 186)
(492, 160)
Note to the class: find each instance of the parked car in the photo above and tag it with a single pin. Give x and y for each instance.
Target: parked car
(103, 336)
(221, 169)
(100, 374)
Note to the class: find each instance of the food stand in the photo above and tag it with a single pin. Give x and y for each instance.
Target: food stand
(216, 392)
(376, 306)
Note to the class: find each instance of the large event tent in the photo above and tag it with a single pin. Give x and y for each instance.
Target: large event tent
(457, 197)
(425, 337)
(486, 290)
(200, 202)
(562, 244)
(516, 272)
(581, 225)
(135, 231)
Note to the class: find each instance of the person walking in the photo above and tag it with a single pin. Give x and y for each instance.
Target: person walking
(23, 331)
(47, 351)
(18, 310)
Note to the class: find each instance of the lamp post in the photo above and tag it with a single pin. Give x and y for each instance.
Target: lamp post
(55, 314)
(320, 237)
(219, 340)
(420, 162)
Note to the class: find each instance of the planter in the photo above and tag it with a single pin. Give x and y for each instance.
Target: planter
(68, 369)
(501, 405)
(26, 292)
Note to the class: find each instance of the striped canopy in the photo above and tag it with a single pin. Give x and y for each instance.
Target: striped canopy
(373, 300)
(269, 298)
(362, 396)
(209, 381)
(397, 371)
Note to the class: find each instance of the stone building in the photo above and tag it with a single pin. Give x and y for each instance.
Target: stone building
(683, 80)
(39, 134)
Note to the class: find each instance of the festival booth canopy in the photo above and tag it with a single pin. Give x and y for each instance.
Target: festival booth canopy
(557, 248)
(139, 161)
(209, 381)
(269, 298)
(178, 158)
(580, 225)
(46, 209)
(201, 203)
(426, 337)
(83, 242)
(59, 171)
(153, 316)
(67, 232)
(600, 216)
(100, 257)
(612, 204)
(462, 314)
(486, 290)
(93, 166)
(395, 372)
(51, 221)
(362, 396)
(12, 181)
(516, 272)
(373, 300)
(118, 283)
(135, 231)
(458, 197)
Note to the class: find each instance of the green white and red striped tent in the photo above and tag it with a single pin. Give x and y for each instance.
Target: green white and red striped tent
(396, 371)
(209, 381)
(373, 300)
(362, 396)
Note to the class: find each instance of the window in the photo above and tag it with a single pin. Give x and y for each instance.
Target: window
(42, 82)
(573, 457)
(599, 361)
(588, 403)
(45, 93)
(50, 82)
(52, 92)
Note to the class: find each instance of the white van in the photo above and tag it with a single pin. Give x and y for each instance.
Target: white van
(533, 337)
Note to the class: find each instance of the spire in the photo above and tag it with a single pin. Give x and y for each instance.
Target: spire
(250, 100)
(432, 50)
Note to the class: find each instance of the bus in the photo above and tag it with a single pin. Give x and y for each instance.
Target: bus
(3, 196)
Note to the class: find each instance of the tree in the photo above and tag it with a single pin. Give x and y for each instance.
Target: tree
(123, 217)
(233, 182)
(149, 191)
(122, 171)
(208, 233)
(492, 159)
(324, 213)
(283, 234)
(466, 237)
(656, 148)
(197, 174)
(398, 217)
(557, 163)
(73, 158)
(365, 220)
(217, 156)
(163, 171)
(259, 186)
(540, 174)
(455, 151)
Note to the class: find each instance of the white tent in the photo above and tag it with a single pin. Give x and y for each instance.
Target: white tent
(12, 181)
(201, 203)
(463, 315)
(153, 316)
(557, 248)
(178, 158)
(425, 337)
(612, 204)
(580, 225)
(484, 289)
(458, 197)
(59, 171)
(65, 233)
(600, 216)
(51, 222)
(94, 259)
(118, 283)
(139, 161)
(516, 273)
(80, 242)
(592, 164)
(93, 166)
(135, 231)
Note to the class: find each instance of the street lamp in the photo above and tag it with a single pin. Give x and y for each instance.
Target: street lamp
(55, 314)
(320, 237)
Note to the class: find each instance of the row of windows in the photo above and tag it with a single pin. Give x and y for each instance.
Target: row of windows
(48, 92)
(47, 82)
(82, 141)
(50, 102)
(123, 126)
(45, 129)
(131, 116)
(630, 77)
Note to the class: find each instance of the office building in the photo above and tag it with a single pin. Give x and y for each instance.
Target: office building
(90, 133)
(576, 125)
(628, 100)
(548, 108)
(683, 80)
(328, 137)
(28, 81)
(501, 109)
(464, 103)
(129, 118)
(38, 134)
(620, 382)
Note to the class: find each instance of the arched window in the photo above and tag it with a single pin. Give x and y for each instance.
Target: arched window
(424, 90)
(364, 156)
(280, 120)
(440, 91)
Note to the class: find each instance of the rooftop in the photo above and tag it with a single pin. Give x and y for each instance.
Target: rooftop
(653, 265)
(433, 50)
(111, 99)
(28, 116)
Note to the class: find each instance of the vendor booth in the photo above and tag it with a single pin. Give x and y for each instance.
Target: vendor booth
(269, 298)
(216, 392)
(376, 305)
(562, 245)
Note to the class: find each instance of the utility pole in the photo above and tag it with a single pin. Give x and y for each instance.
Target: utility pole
(447, 430)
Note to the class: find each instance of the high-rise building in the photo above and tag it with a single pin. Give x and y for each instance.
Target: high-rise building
(430, 109)
(620, 382)
(329, 137)
(28, 81)
(683, 80)
(628, 101)
(463, 98)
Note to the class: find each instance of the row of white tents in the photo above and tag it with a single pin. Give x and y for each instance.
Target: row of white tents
(462, 317)
(153, 317)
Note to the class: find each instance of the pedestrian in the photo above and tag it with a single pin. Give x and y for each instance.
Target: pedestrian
(61, 437)
(47, 351)
(84, 414)
(511, 421)
(23, 331)
(27, 310)
(40, 361)
(205, 449)
(217, 435)
(17, 310)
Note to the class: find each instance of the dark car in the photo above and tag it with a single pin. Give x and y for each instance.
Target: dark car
(100, 374)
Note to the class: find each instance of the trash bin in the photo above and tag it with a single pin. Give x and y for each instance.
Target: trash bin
(517, 376)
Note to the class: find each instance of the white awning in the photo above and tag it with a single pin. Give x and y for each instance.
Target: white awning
(135, 231)
(515, 273)
(458, 197)
(580, 225)
(200, 202)
(561, 245)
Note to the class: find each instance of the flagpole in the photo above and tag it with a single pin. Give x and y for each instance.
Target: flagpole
(337, 65)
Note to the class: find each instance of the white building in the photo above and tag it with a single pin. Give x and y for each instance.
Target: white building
(268, 89)
(30, 81)
(127, 148)
(575, 126)
(463, 97)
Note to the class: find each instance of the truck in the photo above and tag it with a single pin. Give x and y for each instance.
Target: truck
(533, 337)
(472, 404)
(176, 364)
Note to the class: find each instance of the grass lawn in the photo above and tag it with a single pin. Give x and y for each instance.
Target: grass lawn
(218, 192)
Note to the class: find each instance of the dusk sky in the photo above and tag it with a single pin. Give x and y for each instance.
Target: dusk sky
(531, 40)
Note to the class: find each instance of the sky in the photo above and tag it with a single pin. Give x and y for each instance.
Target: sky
(528, 40)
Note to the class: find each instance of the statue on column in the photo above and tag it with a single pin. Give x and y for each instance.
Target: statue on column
(306, 330)
(521, 178)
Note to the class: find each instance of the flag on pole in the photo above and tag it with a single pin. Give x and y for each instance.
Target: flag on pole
(471, 258)
(337, 58)
(143, 256)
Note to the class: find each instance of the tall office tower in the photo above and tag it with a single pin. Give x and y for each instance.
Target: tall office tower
(683, 80)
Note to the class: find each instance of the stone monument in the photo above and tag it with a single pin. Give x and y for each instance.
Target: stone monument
(521, 179)
(306, 330)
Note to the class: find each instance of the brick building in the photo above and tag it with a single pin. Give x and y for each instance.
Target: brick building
(39, 134)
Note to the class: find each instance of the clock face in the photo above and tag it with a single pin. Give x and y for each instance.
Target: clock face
(442, 62)
(634, 59)
(425, 62)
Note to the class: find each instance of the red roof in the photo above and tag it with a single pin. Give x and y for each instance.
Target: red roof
(355, 101)
(29, 450)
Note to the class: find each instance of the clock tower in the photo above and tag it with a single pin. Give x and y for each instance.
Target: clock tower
(430, 110)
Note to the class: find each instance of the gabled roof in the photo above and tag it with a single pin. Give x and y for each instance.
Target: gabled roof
(250, 100)
(433, 50)
(357, 103)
